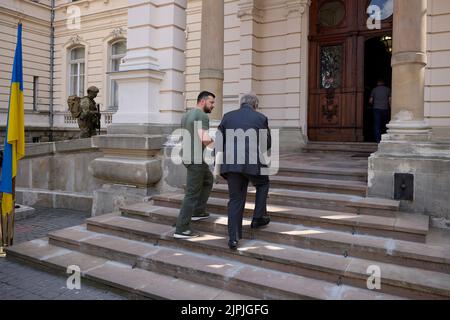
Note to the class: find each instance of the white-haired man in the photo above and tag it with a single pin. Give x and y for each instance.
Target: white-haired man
(242, 137)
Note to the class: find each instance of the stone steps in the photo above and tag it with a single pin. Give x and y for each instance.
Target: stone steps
(404, 253)
(397, 280)
(293, 169)
(222, 270)
(321, 201)
(318, 185)
(400, 226)
(341, 147)
(323, 237)
(126, 277)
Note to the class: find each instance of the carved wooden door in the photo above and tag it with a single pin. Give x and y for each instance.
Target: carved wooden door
(338, 31)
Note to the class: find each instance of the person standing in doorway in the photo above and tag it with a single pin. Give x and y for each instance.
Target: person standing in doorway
(199, 180)
(380, 98)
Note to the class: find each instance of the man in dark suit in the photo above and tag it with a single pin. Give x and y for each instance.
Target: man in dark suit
(242, 138)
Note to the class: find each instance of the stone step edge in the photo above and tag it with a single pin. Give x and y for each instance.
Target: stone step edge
(385, 252)
(168, 238)
(322, 170)
(255, 284)
(14, 253)
(332, 149)
(318, 183)
(341, 145)
(351, 201)
(213, 202)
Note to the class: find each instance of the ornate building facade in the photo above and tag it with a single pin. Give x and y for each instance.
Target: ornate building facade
(278, 49)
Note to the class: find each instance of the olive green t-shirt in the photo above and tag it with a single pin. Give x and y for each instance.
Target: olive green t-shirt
(192, 146)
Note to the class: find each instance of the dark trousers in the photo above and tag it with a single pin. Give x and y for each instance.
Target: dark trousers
(199, 182)
(237, 188)
(381, 118)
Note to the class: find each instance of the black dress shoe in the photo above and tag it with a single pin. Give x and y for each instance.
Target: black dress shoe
(256, 223)
(232, 245)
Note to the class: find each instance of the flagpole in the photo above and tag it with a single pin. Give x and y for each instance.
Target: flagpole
(2, 252)
(13, 214)
(16, 130)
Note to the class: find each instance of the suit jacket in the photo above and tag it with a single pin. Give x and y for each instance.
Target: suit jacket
(242, 154)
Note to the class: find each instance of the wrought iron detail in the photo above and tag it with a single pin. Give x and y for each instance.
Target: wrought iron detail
(331, 67)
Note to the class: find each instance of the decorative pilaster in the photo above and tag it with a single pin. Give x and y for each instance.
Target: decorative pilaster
(251, 16)
(294, 11)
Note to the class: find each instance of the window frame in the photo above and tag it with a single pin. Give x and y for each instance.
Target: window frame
(111, 58)
(80, 76)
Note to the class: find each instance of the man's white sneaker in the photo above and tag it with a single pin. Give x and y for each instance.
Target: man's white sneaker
(200, 217)
(185, 234)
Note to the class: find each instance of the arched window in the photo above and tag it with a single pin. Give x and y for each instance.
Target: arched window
(77, 72)
(332, 13)
(118, 51)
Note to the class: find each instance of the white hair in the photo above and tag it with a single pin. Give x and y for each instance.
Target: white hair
(251, 99)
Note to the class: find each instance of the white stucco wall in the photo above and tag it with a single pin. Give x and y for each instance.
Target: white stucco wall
(263, 51)
(266, 51)
(101, 23)
(35, 19)
(437, 90)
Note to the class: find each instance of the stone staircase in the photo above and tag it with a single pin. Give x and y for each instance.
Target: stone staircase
(341, 147)
(323, 238)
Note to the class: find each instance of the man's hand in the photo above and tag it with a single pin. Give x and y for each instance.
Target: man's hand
(206, 140)
(218, 161)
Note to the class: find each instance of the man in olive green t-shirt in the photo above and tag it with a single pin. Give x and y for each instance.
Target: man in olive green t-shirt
(199, 180)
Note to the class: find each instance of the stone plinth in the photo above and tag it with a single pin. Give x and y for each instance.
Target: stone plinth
(130, 169)
(428, 162)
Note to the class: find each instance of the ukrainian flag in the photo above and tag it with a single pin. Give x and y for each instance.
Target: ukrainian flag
(15, 131)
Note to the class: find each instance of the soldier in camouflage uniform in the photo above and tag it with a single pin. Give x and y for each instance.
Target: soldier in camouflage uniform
(89, 117)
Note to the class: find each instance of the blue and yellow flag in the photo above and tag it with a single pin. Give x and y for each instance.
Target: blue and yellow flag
(15, 131)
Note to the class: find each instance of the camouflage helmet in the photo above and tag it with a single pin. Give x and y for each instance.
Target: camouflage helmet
(93, 89)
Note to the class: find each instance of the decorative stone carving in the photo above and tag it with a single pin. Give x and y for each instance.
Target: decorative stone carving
(118, 33)
(296, 8)
(330, 107)
(75, 39)
(250, 10)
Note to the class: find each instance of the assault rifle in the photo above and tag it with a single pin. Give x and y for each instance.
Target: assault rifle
(98, 118)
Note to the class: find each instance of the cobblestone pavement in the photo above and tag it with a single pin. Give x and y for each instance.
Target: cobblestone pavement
(20, 281)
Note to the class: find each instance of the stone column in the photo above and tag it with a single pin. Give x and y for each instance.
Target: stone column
(408, 70)
(410, 165)
(212, 52)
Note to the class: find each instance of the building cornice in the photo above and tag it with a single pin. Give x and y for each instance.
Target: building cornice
(25, 17)
(69, 33)
(84, 3)
(98, 15)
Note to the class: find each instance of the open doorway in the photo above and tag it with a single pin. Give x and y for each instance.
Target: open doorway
(377, 65)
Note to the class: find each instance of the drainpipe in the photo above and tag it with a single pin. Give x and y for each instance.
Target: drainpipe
(52, 63)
